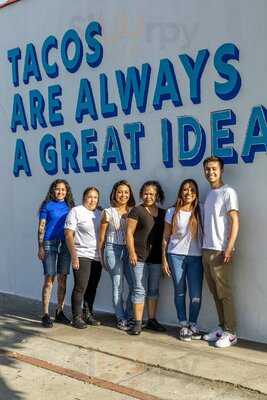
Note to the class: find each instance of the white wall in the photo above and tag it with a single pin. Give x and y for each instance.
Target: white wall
(134, 33)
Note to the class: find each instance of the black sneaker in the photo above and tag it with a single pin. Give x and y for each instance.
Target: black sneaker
(131, 322)
(89, 319)
(135, 329)
(79, 323)
(185, 334)
(196, 334)
(154, 325)
(61, 318)
(47, 321)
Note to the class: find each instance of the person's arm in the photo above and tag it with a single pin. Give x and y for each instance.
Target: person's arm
(41, 233)
(102, 236)
(69, 236)
(131, 227)
(166, 237)
(234, 228)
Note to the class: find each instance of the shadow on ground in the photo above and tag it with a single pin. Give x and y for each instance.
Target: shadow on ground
(11, 340)
(21, 321)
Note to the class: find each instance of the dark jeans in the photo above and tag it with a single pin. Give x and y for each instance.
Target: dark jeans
(86, 280)
(186, 269)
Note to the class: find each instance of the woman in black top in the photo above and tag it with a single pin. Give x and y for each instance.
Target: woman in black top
(144, 237)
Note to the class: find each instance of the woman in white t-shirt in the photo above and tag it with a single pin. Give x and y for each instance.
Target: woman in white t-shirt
(114, 252)
(81, 232)
(182, 242)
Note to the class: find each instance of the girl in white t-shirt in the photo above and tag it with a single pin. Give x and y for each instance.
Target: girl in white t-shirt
(182, 256)
(114, 252)
(81, 232)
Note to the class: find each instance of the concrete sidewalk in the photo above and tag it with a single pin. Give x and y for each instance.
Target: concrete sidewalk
(156, 359)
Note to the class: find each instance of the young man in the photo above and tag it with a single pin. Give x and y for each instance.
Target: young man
(221, 224)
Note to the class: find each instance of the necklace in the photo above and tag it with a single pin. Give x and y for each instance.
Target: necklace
(153, 214)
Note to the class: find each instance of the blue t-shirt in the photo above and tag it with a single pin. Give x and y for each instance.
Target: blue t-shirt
(55, 213)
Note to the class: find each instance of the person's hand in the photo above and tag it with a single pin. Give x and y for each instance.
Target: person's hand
(75, 263)
(166, 269)
(227, 255)
(41, 253)
(133, 259)
(103, 264)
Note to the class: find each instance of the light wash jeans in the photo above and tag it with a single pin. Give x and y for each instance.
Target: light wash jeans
(146, 277)
(186, 269)
(117, 263)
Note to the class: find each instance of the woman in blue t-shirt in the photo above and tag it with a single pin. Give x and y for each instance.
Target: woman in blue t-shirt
(53, 251)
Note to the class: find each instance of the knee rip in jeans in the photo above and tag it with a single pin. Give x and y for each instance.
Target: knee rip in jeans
(195, 300)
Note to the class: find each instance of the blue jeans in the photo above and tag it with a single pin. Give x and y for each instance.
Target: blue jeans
(146, 277)
(57, 258)
(187, 269)
(117, 264)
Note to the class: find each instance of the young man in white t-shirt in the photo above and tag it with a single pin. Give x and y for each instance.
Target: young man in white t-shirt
(221, 224)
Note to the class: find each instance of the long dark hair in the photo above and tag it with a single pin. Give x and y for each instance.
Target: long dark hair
(51, 193)
(160, 193)
(112, 197)
(195, 224)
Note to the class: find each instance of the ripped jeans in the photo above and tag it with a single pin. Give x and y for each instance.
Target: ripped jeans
(186, 271)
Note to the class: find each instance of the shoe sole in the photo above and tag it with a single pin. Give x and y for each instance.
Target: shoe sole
(224, 347)
(73, 324)
(185, 339)
(93, 324)
(79, 327)
(196, 337)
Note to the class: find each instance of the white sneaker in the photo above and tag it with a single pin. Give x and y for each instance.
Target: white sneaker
(226, 340)
(214, 335)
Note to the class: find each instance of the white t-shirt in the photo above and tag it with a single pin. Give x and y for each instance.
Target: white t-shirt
(117, 226)
(85, 224)
(181, 242)
(216, 220)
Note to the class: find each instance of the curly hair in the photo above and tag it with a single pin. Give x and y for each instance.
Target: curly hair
(195, 224)
(157, 186)
(112, 197)
(51, 193)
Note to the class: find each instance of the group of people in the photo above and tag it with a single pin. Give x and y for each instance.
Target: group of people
(137, 243)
